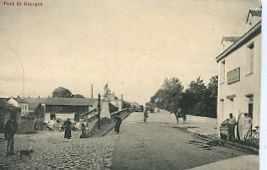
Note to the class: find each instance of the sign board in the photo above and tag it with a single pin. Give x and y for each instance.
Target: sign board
(233, 75)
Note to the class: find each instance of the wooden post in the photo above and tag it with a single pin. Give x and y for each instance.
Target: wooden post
(98, 110)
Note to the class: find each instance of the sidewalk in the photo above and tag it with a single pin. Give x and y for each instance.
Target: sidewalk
(246, 162)
(203, 126)
(206, 128)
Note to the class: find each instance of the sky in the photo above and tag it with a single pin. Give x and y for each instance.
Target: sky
(133, 45)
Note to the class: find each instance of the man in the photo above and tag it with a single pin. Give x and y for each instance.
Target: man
(231, 127)
(9, 130)
(117, 124)
(145, 114)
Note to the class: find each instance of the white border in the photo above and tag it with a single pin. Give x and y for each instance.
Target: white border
(263, 105)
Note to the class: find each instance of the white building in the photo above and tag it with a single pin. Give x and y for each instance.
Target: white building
(239, 72)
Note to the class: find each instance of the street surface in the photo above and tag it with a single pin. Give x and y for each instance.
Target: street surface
(52, 151)
(158, 144)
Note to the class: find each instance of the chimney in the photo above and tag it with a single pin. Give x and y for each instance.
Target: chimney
(122, 97)
(92, 91)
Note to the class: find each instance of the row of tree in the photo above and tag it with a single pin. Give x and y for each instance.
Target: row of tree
(198, 99)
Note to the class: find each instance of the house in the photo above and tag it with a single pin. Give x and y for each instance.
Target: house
(239, 67)
(64, 108)
(32, 111)
(7, 110)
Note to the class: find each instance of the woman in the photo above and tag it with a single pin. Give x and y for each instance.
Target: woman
(67, 126)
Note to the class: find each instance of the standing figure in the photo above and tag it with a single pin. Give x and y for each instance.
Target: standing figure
(117, 124)
(67, 126)
(83, 128)
(231, 127)
(184, 117)
(145, 115)
(9, 131)
(177, 114)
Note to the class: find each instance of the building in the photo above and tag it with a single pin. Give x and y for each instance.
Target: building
(239, 72)
(32, 112)
(6, 111)
(64, 108)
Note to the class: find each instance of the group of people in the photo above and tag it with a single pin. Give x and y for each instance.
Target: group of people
(180, 114)
(231, 124)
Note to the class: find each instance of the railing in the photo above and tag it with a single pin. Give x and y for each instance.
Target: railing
(120, 113)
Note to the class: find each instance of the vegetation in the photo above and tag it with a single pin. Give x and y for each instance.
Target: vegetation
(197, 99)
(63, 92)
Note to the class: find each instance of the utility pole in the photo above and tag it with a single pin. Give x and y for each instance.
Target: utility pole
(98, 110)
(92, 91)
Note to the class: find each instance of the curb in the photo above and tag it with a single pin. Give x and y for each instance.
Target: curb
(229, 144)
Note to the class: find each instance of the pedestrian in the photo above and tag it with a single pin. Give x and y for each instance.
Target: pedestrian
(231, 127)
(9, 131)
(145, 114)
(83, 128)
(117, 124)
(67, 127)
(247, 125)
(178, 114)
(184, 117)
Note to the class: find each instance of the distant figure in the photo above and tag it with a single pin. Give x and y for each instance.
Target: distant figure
(178, 114)
(231, 127)
(158, 110)
(145, 115)
(9, 131)
(67, 126)
(83, 128)
(184, 117)
(117, 124)
(247, 124)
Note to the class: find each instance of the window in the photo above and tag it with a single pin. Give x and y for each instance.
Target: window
(249, 59)
(222, 72)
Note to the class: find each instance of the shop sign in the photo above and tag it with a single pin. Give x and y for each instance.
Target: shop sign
(233, 76)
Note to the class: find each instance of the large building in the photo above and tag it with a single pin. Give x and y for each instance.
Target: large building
(240, 72)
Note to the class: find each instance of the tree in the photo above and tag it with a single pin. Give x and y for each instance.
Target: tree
(211, 96)
(169, 95)
(61, 92)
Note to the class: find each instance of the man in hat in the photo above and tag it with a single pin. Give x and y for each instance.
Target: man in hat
(117, 124)
(9, 131)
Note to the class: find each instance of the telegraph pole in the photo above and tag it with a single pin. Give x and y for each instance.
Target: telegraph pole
(98, 110)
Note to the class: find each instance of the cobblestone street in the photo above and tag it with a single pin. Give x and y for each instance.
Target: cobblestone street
(52, 151)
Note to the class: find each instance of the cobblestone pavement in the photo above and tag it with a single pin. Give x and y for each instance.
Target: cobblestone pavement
(52, 151)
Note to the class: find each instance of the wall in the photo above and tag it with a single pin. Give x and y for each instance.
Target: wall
(248, 84)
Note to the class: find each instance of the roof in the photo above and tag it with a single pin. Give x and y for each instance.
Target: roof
(254, 12)
(5, 105)
(250, 34)
(230, 38)
(60, 101)
(33, 103)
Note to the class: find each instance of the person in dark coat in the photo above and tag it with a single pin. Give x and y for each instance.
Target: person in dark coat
(83, 128)
(9, 131)
(117, 124)
(67, 126)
